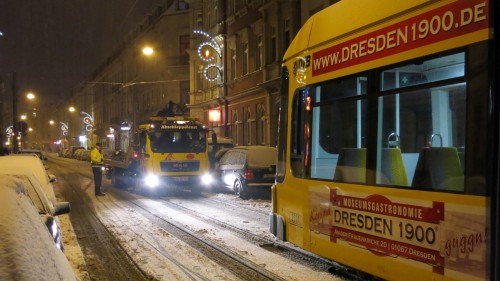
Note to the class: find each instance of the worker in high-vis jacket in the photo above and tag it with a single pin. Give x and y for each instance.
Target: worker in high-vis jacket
(97, 162)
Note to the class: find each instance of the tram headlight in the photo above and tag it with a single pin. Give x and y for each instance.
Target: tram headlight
(151, 180)
(207, 179)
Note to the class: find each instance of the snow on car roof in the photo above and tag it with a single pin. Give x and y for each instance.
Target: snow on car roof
(35, 165)
(30, 151)
(261, 156)
(27, 251)
(27, 177)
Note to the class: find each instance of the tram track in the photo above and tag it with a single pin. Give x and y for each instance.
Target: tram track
(276, 246)
(91, 233)
(230, 259)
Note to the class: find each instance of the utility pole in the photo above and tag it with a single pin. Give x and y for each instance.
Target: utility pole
(14, 115)
(2, 98)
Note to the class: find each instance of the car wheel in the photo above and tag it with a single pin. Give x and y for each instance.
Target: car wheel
(239, 190)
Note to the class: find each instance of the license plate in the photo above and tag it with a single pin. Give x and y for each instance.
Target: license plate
(181, 179)
(268, 176)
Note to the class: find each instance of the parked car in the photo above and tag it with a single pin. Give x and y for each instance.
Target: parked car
(246, 169)
(215, 172)
(213, 148)
(28, 252)
(72, 150)
(85, 155)
(46, 209)
(68, 153)
(77, 154)
(34, 164)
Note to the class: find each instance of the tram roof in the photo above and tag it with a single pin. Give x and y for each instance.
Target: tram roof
(345, 18)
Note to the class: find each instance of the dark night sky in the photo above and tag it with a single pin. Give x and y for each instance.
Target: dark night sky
(52, 45)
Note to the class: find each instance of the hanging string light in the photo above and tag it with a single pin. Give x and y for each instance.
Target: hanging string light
(88, 121)
(205, 54)
(64, 128)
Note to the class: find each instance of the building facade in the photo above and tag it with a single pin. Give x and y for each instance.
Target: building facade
(210, 56)
(131, 86)
(254, 35)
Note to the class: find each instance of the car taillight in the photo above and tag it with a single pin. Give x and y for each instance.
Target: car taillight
(135, 155)
(249, 174)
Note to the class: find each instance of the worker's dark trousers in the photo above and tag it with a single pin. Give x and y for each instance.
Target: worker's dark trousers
(97, 178)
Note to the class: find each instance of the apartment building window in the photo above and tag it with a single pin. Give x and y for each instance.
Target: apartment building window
(247, 128)
(231, 7)
(183, 45)
(245, 58)
(261, 123)
(258, 53)
(233, 65)
(235, 127)
(199, 19)
(184, 86)
(274, 44)
(182, 5)
(211, 12)
(287, 33)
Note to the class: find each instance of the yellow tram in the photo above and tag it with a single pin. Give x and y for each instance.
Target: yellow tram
(389, 139)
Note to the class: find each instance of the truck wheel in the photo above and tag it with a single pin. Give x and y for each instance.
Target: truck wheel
(115, 180)
(136, 185)
(140, 189)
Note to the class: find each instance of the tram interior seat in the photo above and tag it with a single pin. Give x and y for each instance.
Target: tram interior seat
(351, 165)
(393, 171)
(439, 168)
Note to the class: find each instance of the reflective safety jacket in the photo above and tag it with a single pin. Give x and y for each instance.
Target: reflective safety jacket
(96, 158)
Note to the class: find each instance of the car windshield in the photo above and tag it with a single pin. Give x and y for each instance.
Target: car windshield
(178, 141)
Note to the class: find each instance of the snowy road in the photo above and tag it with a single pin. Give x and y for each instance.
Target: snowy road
(125, 236)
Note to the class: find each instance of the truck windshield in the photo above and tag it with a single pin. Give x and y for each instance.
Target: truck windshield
(185, 141)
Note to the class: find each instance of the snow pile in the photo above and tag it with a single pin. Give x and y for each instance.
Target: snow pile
(27, 251)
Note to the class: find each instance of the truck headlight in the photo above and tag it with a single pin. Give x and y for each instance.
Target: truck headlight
(206, 179)
(151, 180)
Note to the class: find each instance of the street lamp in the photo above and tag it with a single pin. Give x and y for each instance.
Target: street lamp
(15, 131)
(148, 51)
(15, 126)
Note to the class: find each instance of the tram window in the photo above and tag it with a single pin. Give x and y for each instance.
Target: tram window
(298, 145)
(339, 129)
(442, 68)
(421, 138)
